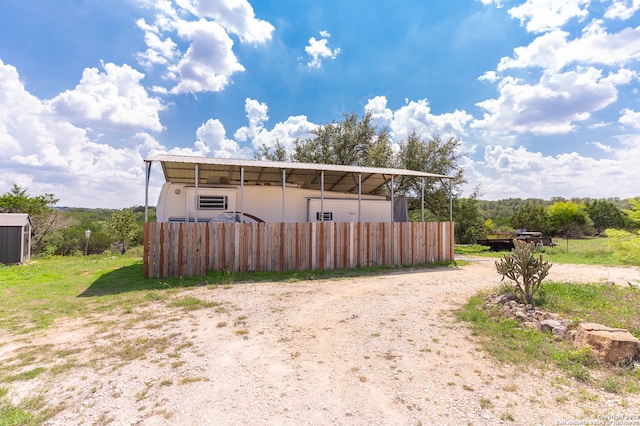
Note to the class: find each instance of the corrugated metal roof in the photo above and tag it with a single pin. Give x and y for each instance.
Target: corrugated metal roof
(181, 169)
(14, 219)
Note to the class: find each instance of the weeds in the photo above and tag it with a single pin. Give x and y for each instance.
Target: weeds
(508, 342)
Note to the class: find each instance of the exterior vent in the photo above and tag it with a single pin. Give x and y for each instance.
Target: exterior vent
(213, 202)
(327, 217)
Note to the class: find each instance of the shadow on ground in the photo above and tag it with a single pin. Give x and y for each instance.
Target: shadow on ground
(130, 279)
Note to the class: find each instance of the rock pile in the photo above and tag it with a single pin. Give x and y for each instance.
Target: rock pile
(608, 344)
(528, 315)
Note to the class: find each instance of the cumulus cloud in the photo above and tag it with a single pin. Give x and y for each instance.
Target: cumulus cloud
(507, 172)
(257, 114)
(553, 51)
(630, 119)
(111, 99)
(48, 154)
(208, 62)
(545, 15)
(318, 50)
(416, 116)
(286, 132)
(552, 106)
(622, 9)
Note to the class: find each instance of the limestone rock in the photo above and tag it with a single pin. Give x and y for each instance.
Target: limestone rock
(557, 328)
(608, 344)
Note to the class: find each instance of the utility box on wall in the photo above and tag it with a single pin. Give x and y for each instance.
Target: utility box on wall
(15, 238)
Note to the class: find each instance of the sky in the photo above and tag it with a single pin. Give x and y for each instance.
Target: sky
(543, 94)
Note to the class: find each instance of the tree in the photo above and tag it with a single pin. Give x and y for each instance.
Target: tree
(524, 269)
(605, 214)
(469, 224)
(351, 142)
(569, 219)
(531, 216)
(357, 142)
(123, 226)
(634, 213)
(277, 153)
(44, 218)
(432, 156)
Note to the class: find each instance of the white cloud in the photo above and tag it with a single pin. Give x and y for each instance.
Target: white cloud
(630, 119)
(516, 172)
(416, 116)
(237, 17)
(257, 114)
(48, 154)
(601, 146)
(294, 127)
(110, 99)
(286, 132)
(498, 3)
(318, 50)
(622, 9)
(209, 61)
(553, 51)
(552, 106)
(546, 15)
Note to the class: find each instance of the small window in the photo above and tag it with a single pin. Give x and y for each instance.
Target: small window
(327, 217)
(213, 202)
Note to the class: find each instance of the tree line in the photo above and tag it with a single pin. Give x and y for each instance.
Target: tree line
(61, 231)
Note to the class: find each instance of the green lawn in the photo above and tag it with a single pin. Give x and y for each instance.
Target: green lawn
(587, 251)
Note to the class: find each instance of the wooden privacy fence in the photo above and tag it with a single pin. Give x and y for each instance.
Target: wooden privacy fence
(193, 249)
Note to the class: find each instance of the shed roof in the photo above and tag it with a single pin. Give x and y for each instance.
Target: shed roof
(181, 169)
(14, 219)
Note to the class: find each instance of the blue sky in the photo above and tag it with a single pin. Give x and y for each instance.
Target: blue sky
(543, 94)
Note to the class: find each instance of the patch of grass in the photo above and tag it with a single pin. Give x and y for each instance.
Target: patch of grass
(584, 251)
(190, 303)
(509, 343)
(25, 375)
(193, 379)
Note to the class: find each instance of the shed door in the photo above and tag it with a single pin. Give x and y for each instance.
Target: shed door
(10, 244)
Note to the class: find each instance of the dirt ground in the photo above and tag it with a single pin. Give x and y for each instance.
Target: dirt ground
(383, 350)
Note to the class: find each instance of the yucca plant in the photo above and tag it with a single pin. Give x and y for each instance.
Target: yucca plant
(525, 270)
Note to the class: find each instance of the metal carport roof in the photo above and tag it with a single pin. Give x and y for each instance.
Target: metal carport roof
(182, 169)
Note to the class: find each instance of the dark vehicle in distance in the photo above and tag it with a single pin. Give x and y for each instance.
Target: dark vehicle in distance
(504, 244)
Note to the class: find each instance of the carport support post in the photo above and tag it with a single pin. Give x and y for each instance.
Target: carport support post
(146, 190)
(393, 208)
(322, 196)
(242, 193)
(359, 197)
(422, 205)
(195, 213)
(450, 200)
(284, 180)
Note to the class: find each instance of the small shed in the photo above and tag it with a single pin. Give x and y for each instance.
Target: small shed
(15, 237)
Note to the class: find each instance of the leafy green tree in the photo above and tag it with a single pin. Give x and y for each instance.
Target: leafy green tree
(634, 213)
(432, 156)
(530, 216)
(605, 214)
(469, 224)
(569, 219)
(351, 142)
(357, 142)
(123, 227)
(44, 218)
(625, 245)
(277, 153)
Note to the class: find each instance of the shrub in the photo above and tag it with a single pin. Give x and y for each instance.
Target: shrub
(524, 269)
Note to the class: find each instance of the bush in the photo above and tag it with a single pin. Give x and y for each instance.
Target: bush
(524, 269)
(625, 245)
